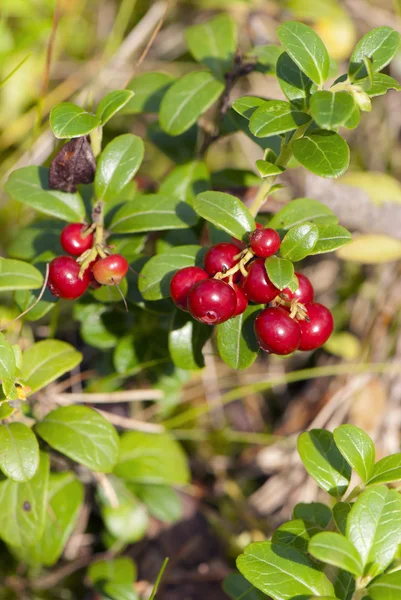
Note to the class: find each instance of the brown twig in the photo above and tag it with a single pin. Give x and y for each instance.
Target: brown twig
(109, 398)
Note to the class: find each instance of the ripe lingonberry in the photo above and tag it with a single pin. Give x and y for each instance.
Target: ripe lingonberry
(220, 258)
(212, 301)
(257, 285)
(316, 330)
(242, 300)
(304, 292)
(241, 245)
(111, 269)
(276, 332)
(264, 242)
(182, 282)
(73, 241)
(63, 278)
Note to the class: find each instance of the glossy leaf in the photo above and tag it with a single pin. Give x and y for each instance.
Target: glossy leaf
(335, 549)
(117, 165)
(340, 515)
(246, 105)
(186, 340)
(238, 588)
(331, 109)
(47, 360)
(268, 169)
(162, 501)
(18, 275)
(187, 99)
(374, 526)
(8, 365)
(357, 448)
(282, 571)
(313, 512)
(149, 89)
(331, 237)
(386, 587)
(344, 585)
(296, 533)
(153, 212)
(386, 470)
(280, 271)
(19, 451)
(225, 212)
(236, 340)
(120, 570)
(214, 43)
(299, 211)
(82, 434)
(323, 461)
(306, 49)
(324, 153)
(381, 84)
(24, 507)
(276, 117)
(151, 458)
(380, 45)
(154, 282)
(294, 83)
(68, 120)
(30, 185)
(299, 241)
(112, 103)
(186, 181)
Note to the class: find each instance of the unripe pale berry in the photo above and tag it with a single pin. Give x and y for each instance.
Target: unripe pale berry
(111, 269)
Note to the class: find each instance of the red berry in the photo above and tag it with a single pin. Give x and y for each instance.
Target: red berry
(73, 241)
(276, 331)
(316, 331)
(242, 300)
(182, 282)
(303, 293)
(264, 242)
(241, 245)
(63, 278)
(257, 285)
(110, 270)
(259, 226)
(92, 281)
(212, 301)
(220, 258)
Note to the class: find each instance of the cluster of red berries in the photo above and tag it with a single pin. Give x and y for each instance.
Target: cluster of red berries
(223, 288)
(65, 277)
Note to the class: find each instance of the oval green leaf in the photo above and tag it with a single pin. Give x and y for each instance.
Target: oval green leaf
(19, 451)
(386, 470)
(187, 99)
(294, 83)
(280, 271)
(119, 570)
(149, 89)
(47, 360)
(380, 45)
(340, 515)
(386, 587)
(68, 120)
(112, 103)
(335, 549)
(162, 501)
(313, 512)
(238, 588)
(236, 341)
(246, 105)
(8, 365)
(18, 275)
(186, 340)
(331, 109)
(324, 153)
(186, 181)
(357, 448)
(299, 241)
(226, 212)
(82, 434)
(301, 210)
(268, 169)
(380, 85)
(276, 117)
(331, 237)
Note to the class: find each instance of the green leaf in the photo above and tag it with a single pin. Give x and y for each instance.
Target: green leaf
(276, 117)
(301, 210)
(313, 512)
(8, 365)
(82, 434)
(68, 120)
(214, 43)
(154, 282)
(6, 410)
(162, 501)
(186, 181)
(323, 461)
(25, 299)
(24, 505)
(30, 185)
(282, 571)
(112, 103)
(335, 549)
(118, 591)
(110, 293)
(47, 360)
(238, 588)
(267, 56)
(331, 237)
(386, 470)
(294, 83)
(344, 585)
(225, 212)
(268, 169)
(306, 49)
(386, 587)
(374, 525)
(357, 448)
(295, 533)
(246, 105)
(236, 341)
(234, 178)
(128, 521)
(331, 109)
(299, 241)
(18, 275)
(149, 89)
(151, 458)
(340, 515)
(153, 212)
(119, 570)
(324, 153)
(380, 45)
(380, 85)
(186, 340)
(117, 165)
(280, 271)
(19, 451)
(179, 149)
(187, 99)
